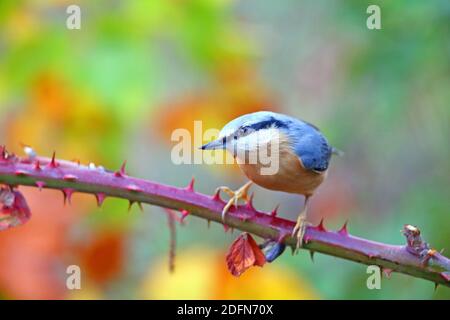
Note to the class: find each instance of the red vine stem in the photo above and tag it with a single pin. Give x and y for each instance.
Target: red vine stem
(415, 258)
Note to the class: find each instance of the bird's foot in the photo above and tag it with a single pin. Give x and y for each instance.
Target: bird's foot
(241, 193)
(299, 230)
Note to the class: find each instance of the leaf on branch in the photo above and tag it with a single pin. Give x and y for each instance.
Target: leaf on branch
(243, 254)
(14, 210)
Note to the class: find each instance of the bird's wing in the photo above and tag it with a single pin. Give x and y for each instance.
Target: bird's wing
(313, 149)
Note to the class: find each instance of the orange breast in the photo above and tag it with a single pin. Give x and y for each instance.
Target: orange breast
(291, 175)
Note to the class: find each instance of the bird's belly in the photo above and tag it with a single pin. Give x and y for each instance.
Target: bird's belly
(290, 177)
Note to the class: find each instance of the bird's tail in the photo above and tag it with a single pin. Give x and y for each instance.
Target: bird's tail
(337, 152)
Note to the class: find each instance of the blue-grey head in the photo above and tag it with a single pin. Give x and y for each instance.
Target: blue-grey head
(250, 131)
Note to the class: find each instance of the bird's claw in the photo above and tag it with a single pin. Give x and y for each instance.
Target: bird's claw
(241, 193)
(299, 231)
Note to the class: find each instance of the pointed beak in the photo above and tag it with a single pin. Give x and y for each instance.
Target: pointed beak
(213, 145)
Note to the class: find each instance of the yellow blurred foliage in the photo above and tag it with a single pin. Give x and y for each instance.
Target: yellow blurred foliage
(201, 273)
(88, 292)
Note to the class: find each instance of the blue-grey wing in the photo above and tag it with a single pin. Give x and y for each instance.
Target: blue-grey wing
(312, 148)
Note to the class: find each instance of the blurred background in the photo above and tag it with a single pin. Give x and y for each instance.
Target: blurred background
(137, 70)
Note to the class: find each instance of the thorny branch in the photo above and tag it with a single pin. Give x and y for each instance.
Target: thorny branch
(415, 258)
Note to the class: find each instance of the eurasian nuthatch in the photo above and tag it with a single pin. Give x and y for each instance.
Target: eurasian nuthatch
(303, 156)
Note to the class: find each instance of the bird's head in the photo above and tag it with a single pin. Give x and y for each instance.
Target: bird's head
(249, 132)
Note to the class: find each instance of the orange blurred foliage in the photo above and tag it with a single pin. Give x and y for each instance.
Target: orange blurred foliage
(102, 257)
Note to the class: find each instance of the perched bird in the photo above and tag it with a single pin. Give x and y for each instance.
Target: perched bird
(302, 155)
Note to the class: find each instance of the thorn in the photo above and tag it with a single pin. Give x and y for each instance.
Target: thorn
(130, 204)
(37, 165)
(184, 214)
(311, 254)
(67, 192)
(53, 163)
(121, 172)
(320, 226)
(250, 202)
(343, 231)
(40, 185)
(436, 285)
(216, 196)
(70, 177)
(387, 272)
(226, 228)
(100, 197)
(190, 186)
(208, 223)
(275, 211)
(20, 173)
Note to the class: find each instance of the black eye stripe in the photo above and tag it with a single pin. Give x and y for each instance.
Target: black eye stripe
(245, 130)
(265, 124)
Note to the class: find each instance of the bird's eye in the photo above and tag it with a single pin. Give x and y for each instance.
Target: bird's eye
(235, 137)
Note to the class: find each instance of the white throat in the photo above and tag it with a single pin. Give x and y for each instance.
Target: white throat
(255, 141)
